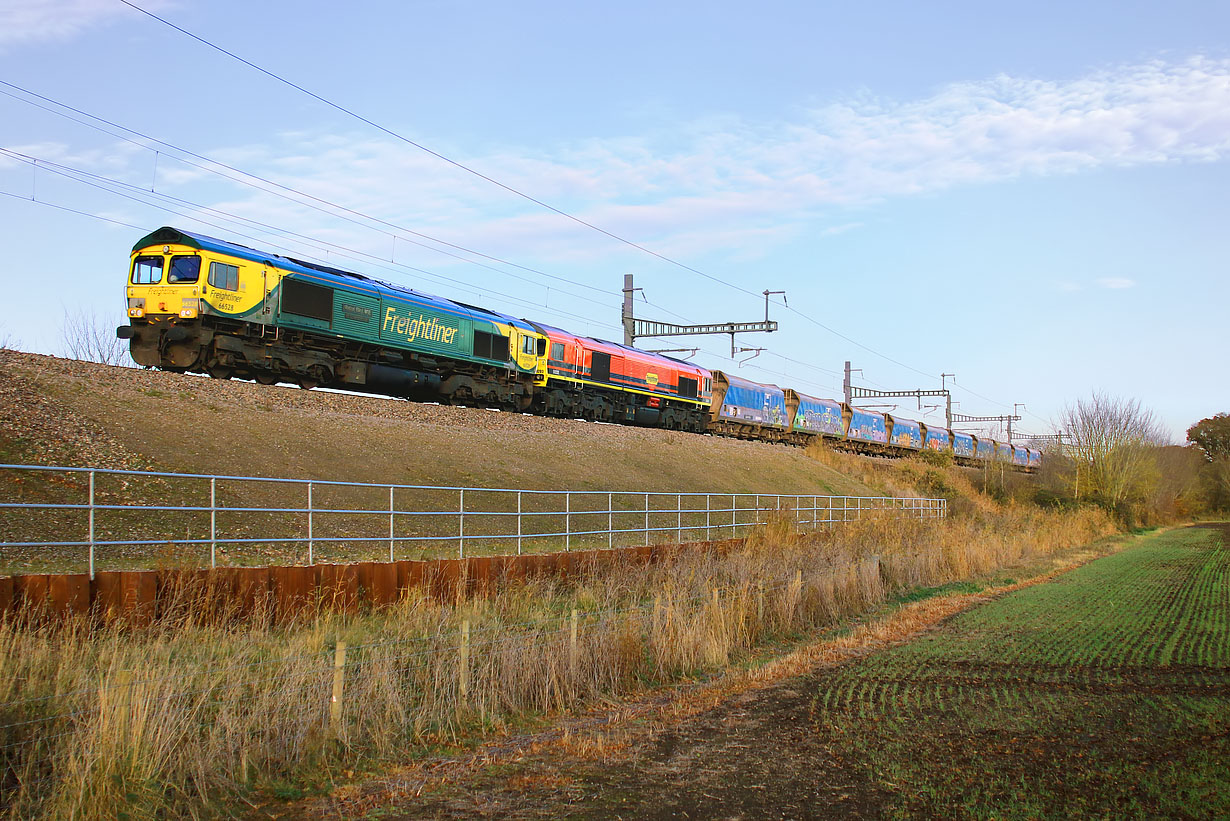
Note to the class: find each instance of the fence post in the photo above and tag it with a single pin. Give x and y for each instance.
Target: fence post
(679, 518)
(311, 543)
(518, 523)
(463, 680)
(610, 520)
(461, 523)
(796, 599)
(572, 643)
(647, 518)
(213, 521)
(734, 515)
(567, 520)
(123, 686)
(708, 517)
(335, 705)
(391, 509)
(91, 525)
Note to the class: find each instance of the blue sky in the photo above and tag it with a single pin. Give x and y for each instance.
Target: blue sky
(1033, 198)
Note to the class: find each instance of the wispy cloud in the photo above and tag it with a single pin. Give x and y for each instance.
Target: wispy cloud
(1116, 283)
(34, 21)
(729, 174)
(834, 230)
(731, 185)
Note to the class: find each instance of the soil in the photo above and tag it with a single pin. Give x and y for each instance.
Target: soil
(66, 412)
(741, 747)
(767, 751)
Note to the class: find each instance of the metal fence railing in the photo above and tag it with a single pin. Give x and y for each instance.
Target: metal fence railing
(57, 519)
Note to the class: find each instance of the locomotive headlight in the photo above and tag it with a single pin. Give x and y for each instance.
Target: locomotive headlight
(189, 308)
(136, 306)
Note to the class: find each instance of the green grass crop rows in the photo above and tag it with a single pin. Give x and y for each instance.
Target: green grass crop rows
(1105, 693)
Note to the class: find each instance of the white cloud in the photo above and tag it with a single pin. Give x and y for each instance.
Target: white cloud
(724, 184)
(834, 230)
(33, 21)
(729, 175)
(1116, 283)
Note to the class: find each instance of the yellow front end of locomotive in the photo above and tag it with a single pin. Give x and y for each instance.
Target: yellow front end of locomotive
(181, 282)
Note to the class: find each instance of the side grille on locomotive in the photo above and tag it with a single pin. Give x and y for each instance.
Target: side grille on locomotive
(600, 367)
(687, 387)
(490, 346)
(305, 299)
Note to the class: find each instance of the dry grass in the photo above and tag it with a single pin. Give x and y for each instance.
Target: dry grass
(188, 717)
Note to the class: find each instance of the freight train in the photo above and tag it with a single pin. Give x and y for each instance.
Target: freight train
(210, 306)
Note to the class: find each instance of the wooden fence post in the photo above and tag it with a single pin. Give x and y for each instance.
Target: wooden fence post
(464, 678)
(339, 680)
(123, 686)
(797, 598)
(572, 642)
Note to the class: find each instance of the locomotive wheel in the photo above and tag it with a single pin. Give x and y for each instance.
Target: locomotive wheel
(316, 376)
(266, 378)
(220, 372)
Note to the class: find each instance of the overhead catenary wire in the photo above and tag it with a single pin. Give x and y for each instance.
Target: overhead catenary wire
(504, 186)
(139, 195)
(142, 196)
(398, 232)
(314, 202)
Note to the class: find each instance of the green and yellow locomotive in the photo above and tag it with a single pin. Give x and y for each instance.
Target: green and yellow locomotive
(204, 305)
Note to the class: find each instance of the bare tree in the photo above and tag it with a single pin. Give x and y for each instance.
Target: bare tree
(89, 337)
(1112, 442)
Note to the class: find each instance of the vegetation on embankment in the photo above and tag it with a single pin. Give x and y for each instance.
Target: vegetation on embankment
(66, 412)
(188, 717)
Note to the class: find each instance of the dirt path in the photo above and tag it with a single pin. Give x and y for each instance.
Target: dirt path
(760, 744)
(744, 746)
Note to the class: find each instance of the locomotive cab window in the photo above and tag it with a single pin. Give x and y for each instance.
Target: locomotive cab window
(527, 345)
(184, 270)
(224, 276)
(147, 270)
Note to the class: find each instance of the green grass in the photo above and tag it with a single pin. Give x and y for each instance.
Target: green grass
(1105, 693)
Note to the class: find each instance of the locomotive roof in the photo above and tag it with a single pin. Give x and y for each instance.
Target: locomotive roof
(552, 329)
(168, 235)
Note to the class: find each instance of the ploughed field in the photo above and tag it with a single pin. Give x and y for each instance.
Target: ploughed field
(1104, 693)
